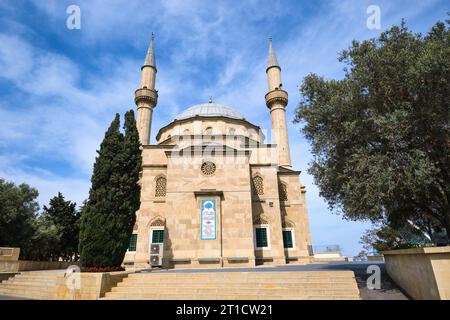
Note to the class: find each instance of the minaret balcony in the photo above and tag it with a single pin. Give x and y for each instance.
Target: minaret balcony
(276, 95)
(149, 95)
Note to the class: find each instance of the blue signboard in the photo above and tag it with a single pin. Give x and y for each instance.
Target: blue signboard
(208, 219)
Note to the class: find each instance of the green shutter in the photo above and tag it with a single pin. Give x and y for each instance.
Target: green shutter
(287, 239)
(158, 236)
(133, 242)
(261, 237)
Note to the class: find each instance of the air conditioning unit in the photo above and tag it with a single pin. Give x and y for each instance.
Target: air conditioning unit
(156, 254)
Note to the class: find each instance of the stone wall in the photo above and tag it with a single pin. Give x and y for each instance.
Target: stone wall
(9, 254)
(89, 286)
(423, 273)
(26, 265)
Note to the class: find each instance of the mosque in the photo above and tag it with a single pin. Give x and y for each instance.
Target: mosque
(213, 193)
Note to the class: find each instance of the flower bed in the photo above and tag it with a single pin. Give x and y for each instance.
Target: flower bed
(102, 269)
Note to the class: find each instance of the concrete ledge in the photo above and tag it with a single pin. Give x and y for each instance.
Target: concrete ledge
(246, 259)
(26, 265)
(9, 254)
(180, 260)
(418, 250)
(209, 260)
(375, 258)
(423, 273)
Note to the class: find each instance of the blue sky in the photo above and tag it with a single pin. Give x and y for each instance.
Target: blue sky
(60, 88)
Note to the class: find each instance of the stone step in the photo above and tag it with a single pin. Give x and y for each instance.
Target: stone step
(32, 294)
(277, 291)
(34, 281)
(193, 297)
(274, 285)
(133, 296)
(237, 285)
(28, 276)
(202, 285)
(235, 279)
(28, 286)
(282, 274)
(40, 274)
(238, 281)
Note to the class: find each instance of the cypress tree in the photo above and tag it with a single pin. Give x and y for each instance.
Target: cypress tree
(110, 212)
(97, 239)
(129, 201)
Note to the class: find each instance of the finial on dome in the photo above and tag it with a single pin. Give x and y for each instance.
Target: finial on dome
(210, 99)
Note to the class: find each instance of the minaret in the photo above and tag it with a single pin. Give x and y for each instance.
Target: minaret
(276, 101)
(146, 96)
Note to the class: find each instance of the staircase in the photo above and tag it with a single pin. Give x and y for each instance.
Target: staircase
(328, 285)
(33, 285)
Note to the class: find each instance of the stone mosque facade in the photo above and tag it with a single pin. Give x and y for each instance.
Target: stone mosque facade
(213, 193)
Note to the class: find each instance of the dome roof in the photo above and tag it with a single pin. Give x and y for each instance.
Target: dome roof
(209, 110)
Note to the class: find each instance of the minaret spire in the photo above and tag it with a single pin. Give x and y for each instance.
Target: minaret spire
(150, 57)
(273, 62)
(146, 96)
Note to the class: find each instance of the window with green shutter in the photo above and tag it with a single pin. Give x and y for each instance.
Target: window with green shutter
(261, 237)
(287, 239)
(133, 242)
(158, 236)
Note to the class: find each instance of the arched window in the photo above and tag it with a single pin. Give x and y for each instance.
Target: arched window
(231, 131)
(186, 132)
(158, 222)
(208, 130)
(282, 191)
(258, 185)
(160, 188)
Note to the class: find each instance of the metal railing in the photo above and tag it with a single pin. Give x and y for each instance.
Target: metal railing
(326, 248)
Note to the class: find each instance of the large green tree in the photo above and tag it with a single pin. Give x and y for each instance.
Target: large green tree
(64, 217)
(380, 135)
(18, 210)
(109, 215)
(45, 241)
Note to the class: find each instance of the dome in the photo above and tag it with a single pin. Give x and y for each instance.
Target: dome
(209, 110)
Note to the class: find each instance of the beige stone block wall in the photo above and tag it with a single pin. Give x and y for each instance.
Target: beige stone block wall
(9, 266)
(9, 254)
(27, 265)
(294, 212)
(233, 206)
(266, 209)
(424, 273)
(91, 286)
